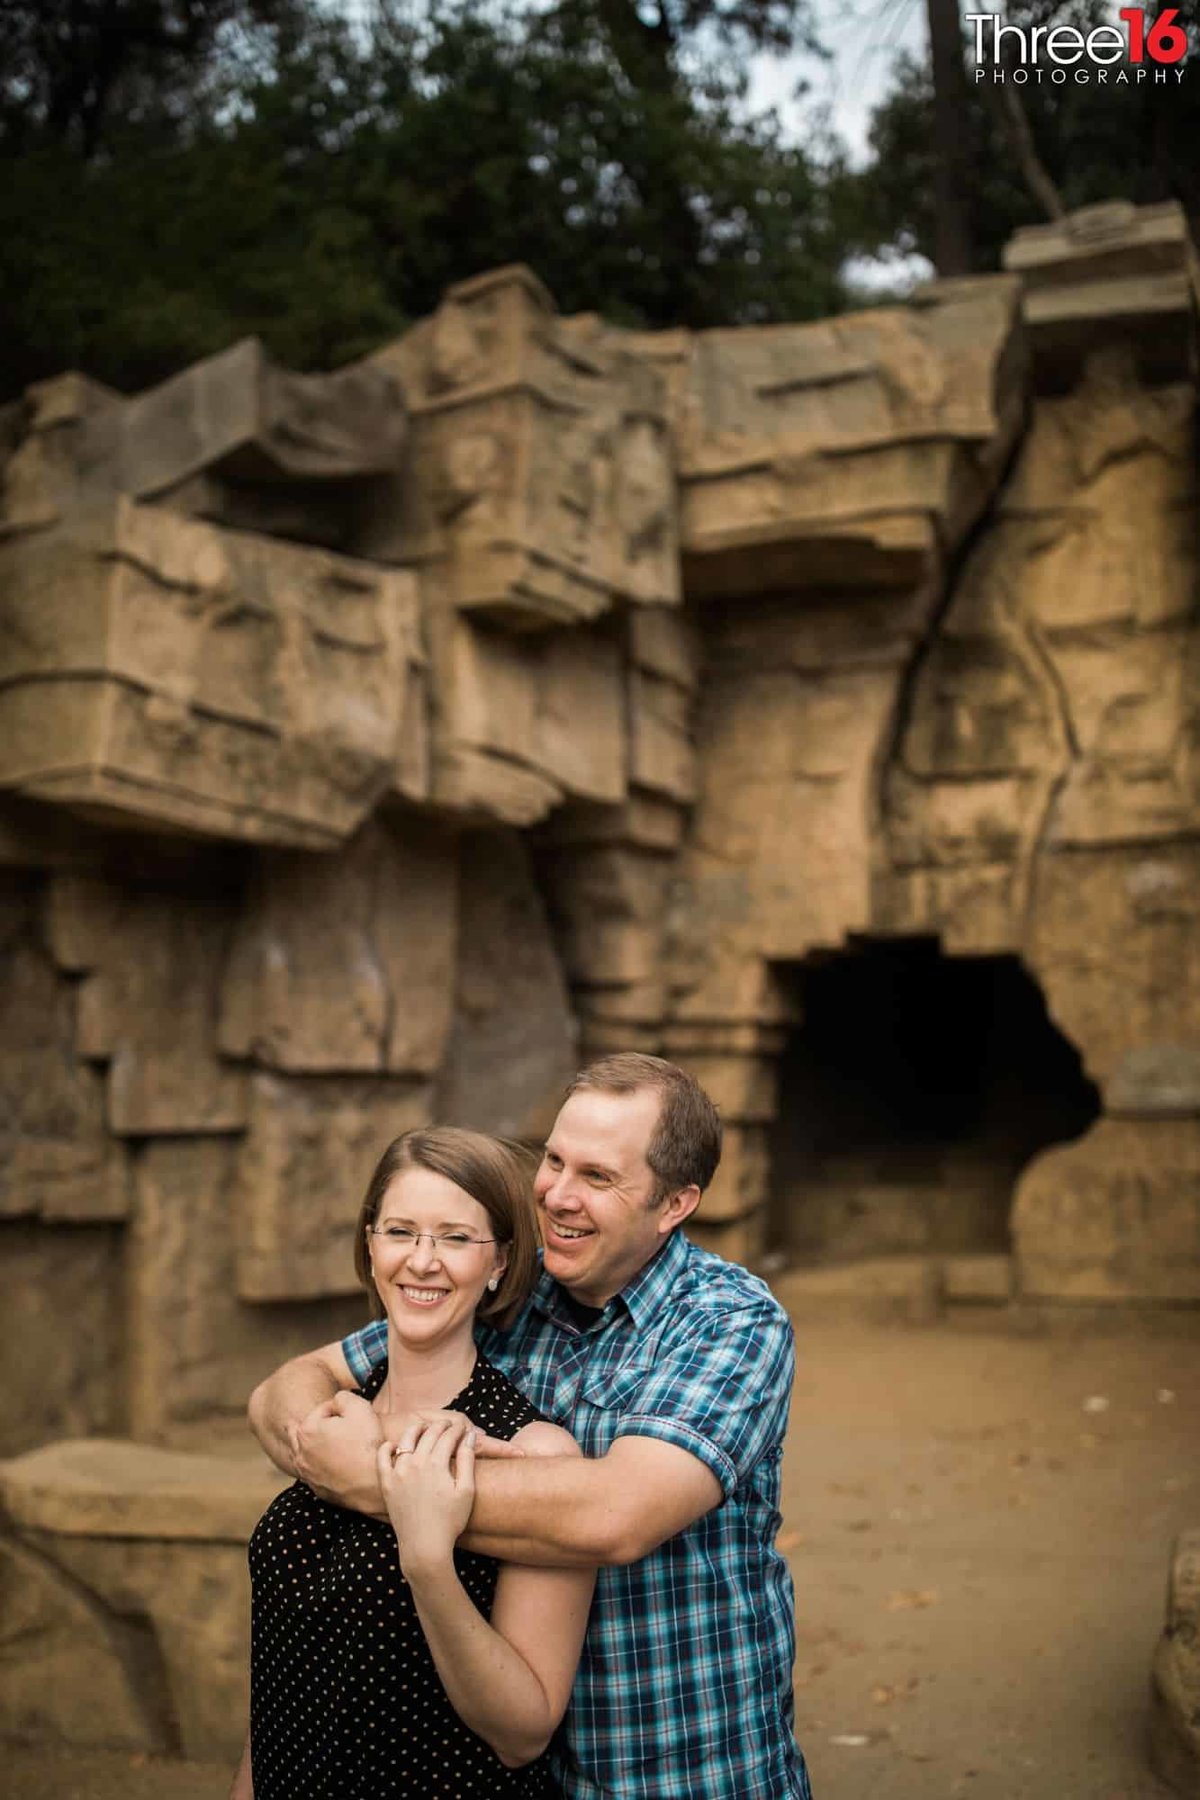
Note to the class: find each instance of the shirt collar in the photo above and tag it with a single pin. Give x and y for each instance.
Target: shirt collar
(652, 1284)
(640, 1298)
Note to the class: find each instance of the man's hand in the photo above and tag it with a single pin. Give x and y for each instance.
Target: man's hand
(279, 1403)
(333, 1448)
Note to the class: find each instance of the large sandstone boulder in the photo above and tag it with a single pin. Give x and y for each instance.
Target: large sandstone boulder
(203, 680)
(127, 1601)
(848, 452)
(542, 476)
(1114, 1216)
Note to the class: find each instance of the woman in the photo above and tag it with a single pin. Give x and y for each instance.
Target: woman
(385, 1660)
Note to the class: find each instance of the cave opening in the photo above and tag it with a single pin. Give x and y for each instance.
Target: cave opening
(912, 1093)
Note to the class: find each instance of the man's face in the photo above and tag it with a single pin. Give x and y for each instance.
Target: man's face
(594, 1191)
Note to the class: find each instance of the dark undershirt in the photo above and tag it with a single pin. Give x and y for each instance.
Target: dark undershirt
(581, 1316)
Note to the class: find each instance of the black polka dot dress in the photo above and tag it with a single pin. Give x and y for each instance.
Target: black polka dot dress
(345, 1701)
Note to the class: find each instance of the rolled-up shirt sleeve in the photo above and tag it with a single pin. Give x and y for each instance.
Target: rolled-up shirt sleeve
(365, 1349)
(722, 1394)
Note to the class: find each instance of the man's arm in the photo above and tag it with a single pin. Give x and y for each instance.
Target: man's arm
(312, 1427)
(575, 1512)
(279, 1404)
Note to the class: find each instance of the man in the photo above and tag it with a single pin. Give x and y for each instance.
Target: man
(673, 1369)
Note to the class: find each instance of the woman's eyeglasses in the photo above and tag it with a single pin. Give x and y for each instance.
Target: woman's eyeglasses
(447, 1242)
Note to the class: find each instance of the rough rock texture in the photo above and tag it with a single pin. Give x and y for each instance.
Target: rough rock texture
(845, 452)
(68, 1666)
(1175, 1680)
(345, 964)
(126, 1575)
(1114, 272)
(195, 1347)
(302, 1169)
(543, 470)
(201, 679)
(146, 1008)
(374, 746)
(66, 1376)
(239, 417)
(512, 1047)
(57, 1159)
(1115, 1215)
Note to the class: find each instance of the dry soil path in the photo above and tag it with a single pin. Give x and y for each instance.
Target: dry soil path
(979, 1526)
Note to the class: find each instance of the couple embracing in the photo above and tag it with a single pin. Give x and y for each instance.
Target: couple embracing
(530, 1547)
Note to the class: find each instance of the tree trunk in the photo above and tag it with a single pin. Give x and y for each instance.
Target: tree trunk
(953, 238)
(1014, 122)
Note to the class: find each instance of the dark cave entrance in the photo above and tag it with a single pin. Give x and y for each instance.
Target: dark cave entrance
(912, 1093)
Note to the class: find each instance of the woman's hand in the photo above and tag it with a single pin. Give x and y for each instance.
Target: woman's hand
(429, 1491)
(403, 1430)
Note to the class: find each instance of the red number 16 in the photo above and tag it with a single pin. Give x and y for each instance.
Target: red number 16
(1166, 41)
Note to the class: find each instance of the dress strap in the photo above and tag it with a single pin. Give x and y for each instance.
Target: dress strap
(374, 1381)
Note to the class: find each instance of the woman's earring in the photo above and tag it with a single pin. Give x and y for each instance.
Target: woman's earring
(493, 1283)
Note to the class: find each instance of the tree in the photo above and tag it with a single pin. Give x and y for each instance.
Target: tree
(953, 252)
(67, 67)
(1090, 143)
(321, 183)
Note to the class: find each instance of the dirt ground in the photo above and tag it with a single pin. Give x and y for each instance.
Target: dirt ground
(979, 1523)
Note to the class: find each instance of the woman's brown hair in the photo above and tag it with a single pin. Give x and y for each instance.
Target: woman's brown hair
(494, 1174)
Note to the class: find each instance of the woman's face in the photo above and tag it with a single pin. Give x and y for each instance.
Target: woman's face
(430, 1290)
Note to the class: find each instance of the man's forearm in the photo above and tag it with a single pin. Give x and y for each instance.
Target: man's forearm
(561, 1512)
(280, 1402)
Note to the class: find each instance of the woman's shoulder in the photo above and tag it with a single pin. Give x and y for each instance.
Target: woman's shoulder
(496, 1403)
(541, 1438)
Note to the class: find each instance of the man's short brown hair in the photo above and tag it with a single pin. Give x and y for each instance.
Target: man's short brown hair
(685, 1146)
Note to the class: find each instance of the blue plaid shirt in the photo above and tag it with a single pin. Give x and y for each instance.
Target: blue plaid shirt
(685, 1683)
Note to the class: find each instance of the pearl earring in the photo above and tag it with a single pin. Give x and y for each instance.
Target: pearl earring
(493, 1283)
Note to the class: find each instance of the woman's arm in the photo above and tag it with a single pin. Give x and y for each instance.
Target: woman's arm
(243, 1781)
(508, 1679)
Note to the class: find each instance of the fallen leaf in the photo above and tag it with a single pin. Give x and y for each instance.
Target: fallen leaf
(911, 1599)
(790, 1540)
(1096, 1403)
(883, 1696)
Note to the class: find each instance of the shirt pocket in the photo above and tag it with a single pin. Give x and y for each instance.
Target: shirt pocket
(535, 1381)
(606, 1398)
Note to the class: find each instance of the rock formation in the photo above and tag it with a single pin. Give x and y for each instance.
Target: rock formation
(374, 746)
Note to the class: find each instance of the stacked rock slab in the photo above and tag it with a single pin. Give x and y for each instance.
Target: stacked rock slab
(828, 473)
(375, 745)
(1042, 798)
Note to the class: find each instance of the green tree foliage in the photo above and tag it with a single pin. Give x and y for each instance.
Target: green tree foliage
(275, 166)
(1094, 142)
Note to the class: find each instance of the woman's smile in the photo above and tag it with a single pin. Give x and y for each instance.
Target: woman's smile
(424, 1296)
